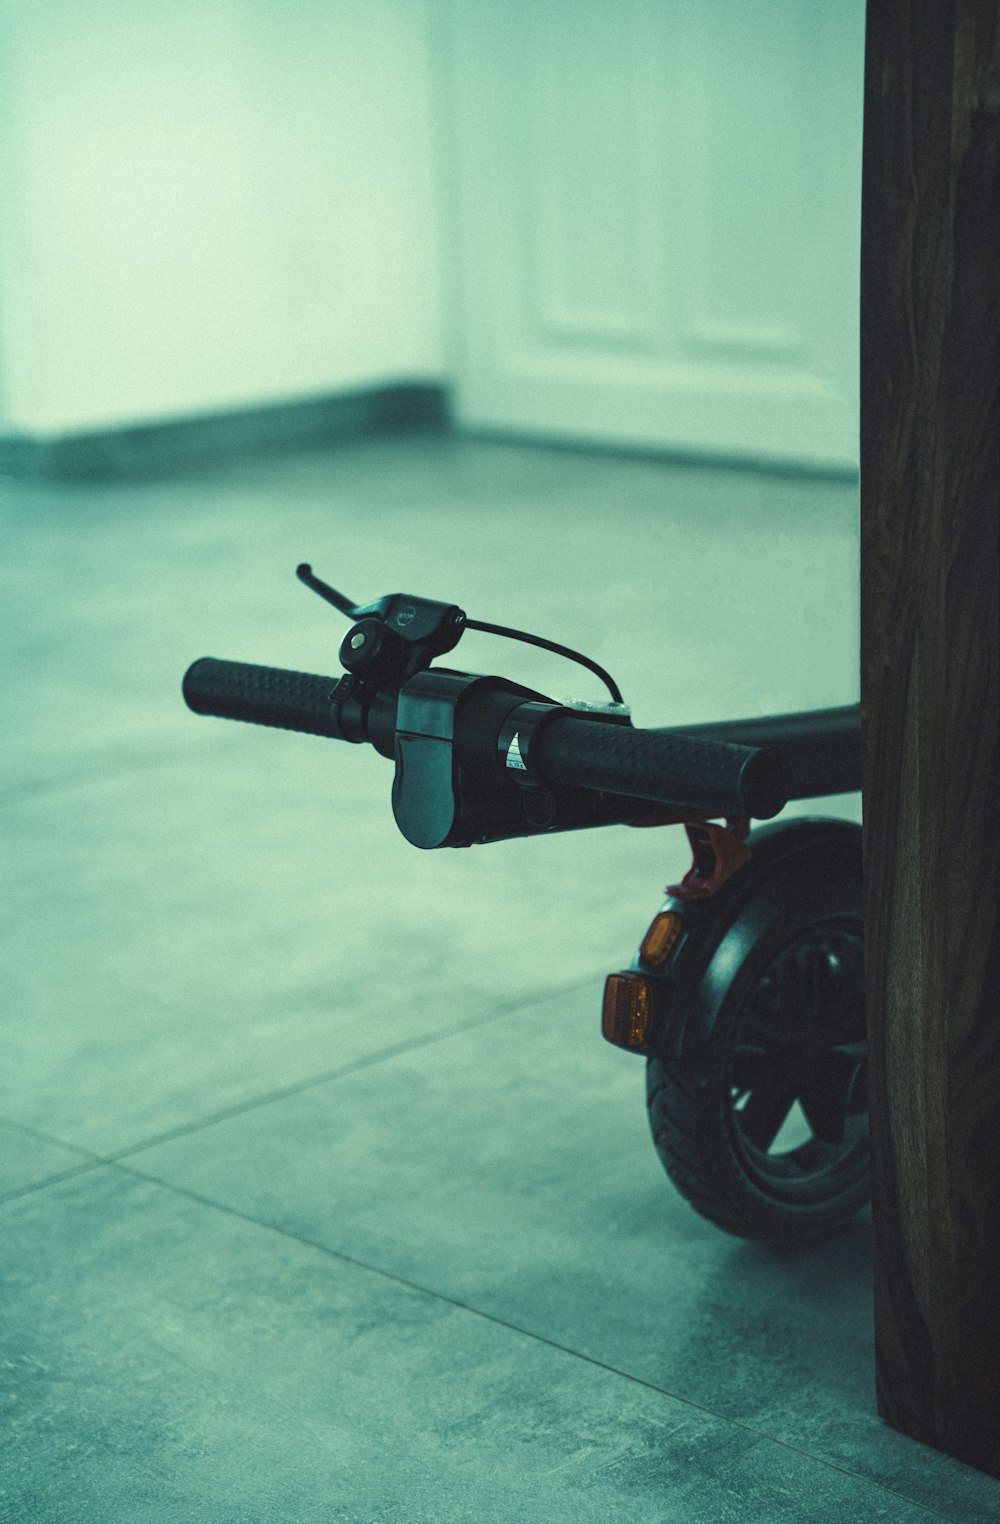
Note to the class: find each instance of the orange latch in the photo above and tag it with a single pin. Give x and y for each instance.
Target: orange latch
(718, 851)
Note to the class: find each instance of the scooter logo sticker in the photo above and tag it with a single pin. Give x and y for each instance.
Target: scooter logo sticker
(514, 758)
(406, 615)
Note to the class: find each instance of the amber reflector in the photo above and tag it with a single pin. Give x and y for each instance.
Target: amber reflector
(661, 938)
(628, 1011)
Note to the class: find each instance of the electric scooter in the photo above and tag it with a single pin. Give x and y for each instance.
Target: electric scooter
(746, 995)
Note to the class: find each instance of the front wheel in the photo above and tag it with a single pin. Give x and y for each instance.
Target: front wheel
(759, 1112)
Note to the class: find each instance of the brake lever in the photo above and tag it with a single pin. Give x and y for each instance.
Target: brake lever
(400, 635)
(393, 638)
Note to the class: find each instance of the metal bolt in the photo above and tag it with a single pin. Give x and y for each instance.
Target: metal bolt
(358, 640)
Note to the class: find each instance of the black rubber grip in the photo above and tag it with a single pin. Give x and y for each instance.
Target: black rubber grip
(821, 746)
(717, 777)
(235, 690)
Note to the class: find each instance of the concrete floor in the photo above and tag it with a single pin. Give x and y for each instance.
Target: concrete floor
(322, 1197)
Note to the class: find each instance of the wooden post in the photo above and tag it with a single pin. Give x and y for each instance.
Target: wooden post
(930, 551)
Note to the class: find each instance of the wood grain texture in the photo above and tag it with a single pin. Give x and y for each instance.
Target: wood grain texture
(930, 469)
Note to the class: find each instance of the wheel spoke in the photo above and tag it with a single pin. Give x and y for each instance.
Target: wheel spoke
(822, 1112)
(769, 1103)
(755, 1065)
(826, 1100)
(831, 995)
(798, 1066)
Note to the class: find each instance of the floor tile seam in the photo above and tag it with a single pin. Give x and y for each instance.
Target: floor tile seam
(313, 1082)
(368, 1061)
(759, 1435)
(89, 1160)
(40, 1136)
(35, 1187)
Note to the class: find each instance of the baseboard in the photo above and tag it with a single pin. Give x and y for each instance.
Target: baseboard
(174, 446)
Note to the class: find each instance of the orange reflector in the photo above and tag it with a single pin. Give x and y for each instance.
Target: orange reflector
(661, 938)
(628, 1011)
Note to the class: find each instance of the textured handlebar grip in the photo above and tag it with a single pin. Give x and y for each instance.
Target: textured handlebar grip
(234, 690)
(716, 777)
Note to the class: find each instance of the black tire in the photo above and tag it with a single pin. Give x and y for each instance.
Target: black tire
(758, 1109)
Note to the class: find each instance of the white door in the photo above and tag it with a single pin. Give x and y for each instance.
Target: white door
(656, 212)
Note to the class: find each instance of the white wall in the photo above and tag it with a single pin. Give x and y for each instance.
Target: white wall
(636, 224)
(212, 203)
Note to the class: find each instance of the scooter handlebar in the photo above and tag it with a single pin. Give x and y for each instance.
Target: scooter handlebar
(681, 771)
